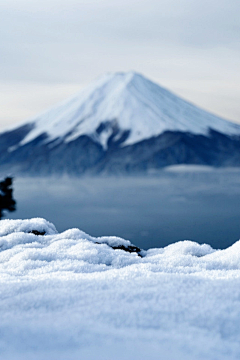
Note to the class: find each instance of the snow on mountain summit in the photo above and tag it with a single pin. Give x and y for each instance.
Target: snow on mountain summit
(124, 103)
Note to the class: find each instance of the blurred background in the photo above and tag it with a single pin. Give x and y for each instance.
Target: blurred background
(52, 49)
(152, 211)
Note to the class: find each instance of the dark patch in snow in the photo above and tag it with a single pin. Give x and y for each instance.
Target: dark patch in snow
(130, 248)
(36, 232)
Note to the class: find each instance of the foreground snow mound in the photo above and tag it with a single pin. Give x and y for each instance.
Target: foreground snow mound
(27, 226)
(69, 296)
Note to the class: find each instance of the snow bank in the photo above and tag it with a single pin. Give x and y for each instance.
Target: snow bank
(72, 296)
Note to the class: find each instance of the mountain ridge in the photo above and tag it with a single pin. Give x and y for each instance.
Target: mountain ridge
(120, 124)
(130, 102)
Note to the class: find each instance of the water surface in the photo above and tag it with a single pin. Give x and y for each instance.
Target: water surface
(151, 211)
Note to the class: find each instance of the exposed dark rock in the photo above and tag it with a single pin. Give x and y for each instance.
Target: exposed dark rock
(36, 232)
(130, 248)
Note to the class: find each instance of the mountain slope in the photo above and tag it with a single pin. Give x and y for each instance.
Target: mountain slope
(120, 123)
(130, 102)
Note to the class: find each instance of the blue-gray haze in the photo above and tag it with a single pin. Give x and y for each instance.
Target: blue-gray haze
(151, 211)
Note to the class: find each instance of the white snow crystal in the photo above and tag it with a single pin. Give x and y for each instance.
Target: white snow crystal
(72, 296)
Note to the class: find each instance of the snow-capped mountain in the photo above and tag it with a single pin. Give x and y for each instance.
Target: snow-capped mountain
(122, 122)
(129, 102)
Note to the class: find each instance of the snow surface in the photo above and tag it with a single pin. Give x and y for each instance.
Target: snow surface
(125, 101)
(64, 296)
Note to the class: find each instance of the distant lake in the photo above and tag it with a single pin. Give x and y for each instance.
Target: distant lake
(179, 203)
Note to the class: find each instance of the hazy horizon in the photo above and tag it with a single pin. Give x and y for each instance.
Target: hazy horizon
(151, 211)
(52, 49)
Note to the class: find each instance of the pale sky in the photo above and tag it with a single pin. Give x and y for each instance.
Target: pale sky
(50, 49)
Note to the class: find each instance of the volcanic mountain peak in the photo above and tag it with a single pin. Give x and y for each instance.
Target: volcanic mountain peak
(126, 104)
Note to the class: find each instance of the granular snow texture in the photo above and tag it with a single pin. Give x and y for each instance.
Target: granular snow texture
(72, 296)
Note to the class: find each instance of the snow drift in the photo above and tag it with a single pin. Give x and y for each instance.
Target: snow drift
(69, 295)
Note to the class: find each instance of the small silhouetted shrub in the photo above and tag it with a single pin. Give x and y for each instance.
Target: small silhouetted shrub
(6, 196)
